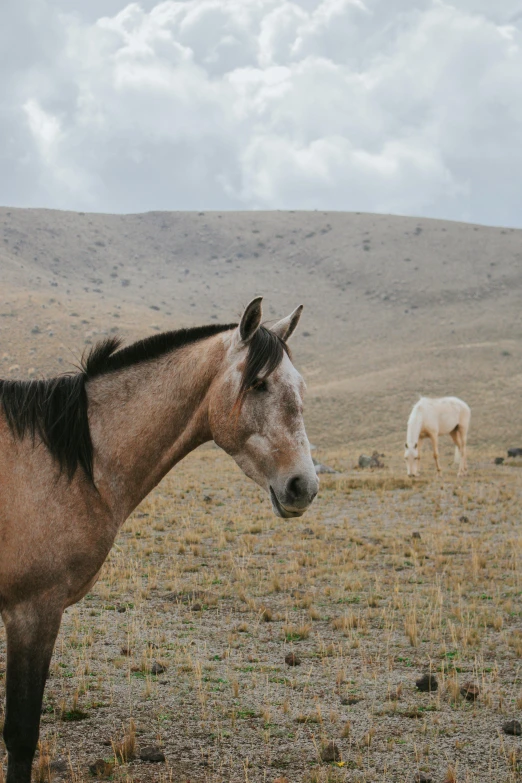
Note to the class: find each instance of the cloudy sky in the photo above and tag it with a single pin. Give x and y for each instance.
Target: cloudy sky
(403, 106)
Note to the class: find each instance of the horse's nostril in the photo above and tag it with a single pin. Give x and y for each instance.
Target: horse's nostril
(298, 490)
(294, 487)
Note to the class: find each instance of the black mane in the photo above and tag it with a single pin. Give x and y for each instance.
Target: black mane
(107, 356)
(56, 410)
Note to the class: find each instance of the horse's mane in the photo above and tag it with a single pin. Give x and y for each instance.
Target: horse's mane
(108, 356)
(55, 410)
(415, 410)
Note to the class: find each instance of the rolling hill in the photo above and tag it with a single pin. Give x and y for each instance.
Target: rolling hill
(394, 307)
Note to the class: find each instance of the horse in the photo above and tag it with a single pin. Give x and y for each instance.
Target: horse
(430, 418)
(79, 452)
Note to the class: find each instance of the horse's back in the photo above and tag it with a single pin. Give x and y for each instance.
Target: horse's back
(452, 413)
(457, 402)
(443, 414)
(458, 410)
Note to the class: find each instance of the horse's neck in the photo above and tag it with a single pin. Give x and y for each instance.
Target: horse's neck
(146, 418)
(414, 429)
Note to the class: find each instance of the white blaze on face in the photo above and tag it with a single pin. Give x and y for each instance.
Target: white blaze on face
(263, 429)
(279, 447)
(268, 439)
(282, 433)
(272, 420)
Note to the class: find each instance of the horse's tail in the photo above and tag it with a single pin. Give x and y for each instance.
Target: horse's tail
(457, 455)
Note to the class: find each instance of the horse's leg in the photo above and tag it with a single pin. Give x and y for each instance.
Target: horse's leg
(463, 467)
(435, 443)
(31, 630)
(454, 434)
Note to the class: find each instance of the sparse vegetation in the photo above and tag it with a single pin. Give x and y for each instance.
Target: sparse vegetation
(368, 608)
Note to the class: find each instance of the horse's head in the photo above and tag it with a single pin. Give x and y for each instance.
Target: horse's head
(411, 455)
(256, 411)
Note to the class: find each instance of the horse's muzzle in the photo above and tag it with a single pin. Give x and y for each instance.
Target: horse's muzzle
(297, 496)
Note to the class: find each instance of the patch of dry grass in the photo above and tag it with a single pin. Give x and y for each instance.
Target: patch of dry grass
(366, 607)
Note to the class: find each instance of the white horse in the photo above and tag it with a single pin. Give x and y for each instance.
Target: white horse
(430, 418)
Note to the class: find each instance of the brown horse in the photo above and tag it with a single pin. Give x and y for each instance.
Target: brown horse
(79, 452)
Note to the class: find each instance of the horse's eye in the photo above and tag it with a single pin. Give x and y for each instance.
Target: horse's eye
(260, 385)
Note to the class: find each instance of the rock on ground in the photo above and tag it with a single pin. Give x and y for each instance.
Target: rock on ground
(152, 754)
(331, 753)
(320, 468)
(512, 727)
(427, 683)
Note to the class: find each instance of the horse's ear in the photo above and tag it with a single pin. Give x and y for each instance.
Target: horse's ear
(286, 326)
(251, 319)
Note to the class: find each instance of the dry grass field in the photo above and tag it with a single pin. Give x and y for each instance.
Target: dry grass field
(207, 584)
(182, 642)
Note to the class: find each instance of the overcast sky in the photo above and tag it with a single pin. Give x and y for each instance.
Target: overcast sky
(403, 106)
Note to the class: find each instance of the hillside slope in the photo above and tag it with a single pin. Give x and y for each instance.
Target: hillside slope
(394, 307)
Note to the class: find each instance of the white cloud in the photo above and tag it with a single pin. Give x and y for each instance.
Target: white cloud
(408, 106)
(44, 127)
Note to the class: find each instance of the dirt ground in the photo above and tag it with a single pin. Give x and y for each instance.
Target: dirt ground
(384, 580)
